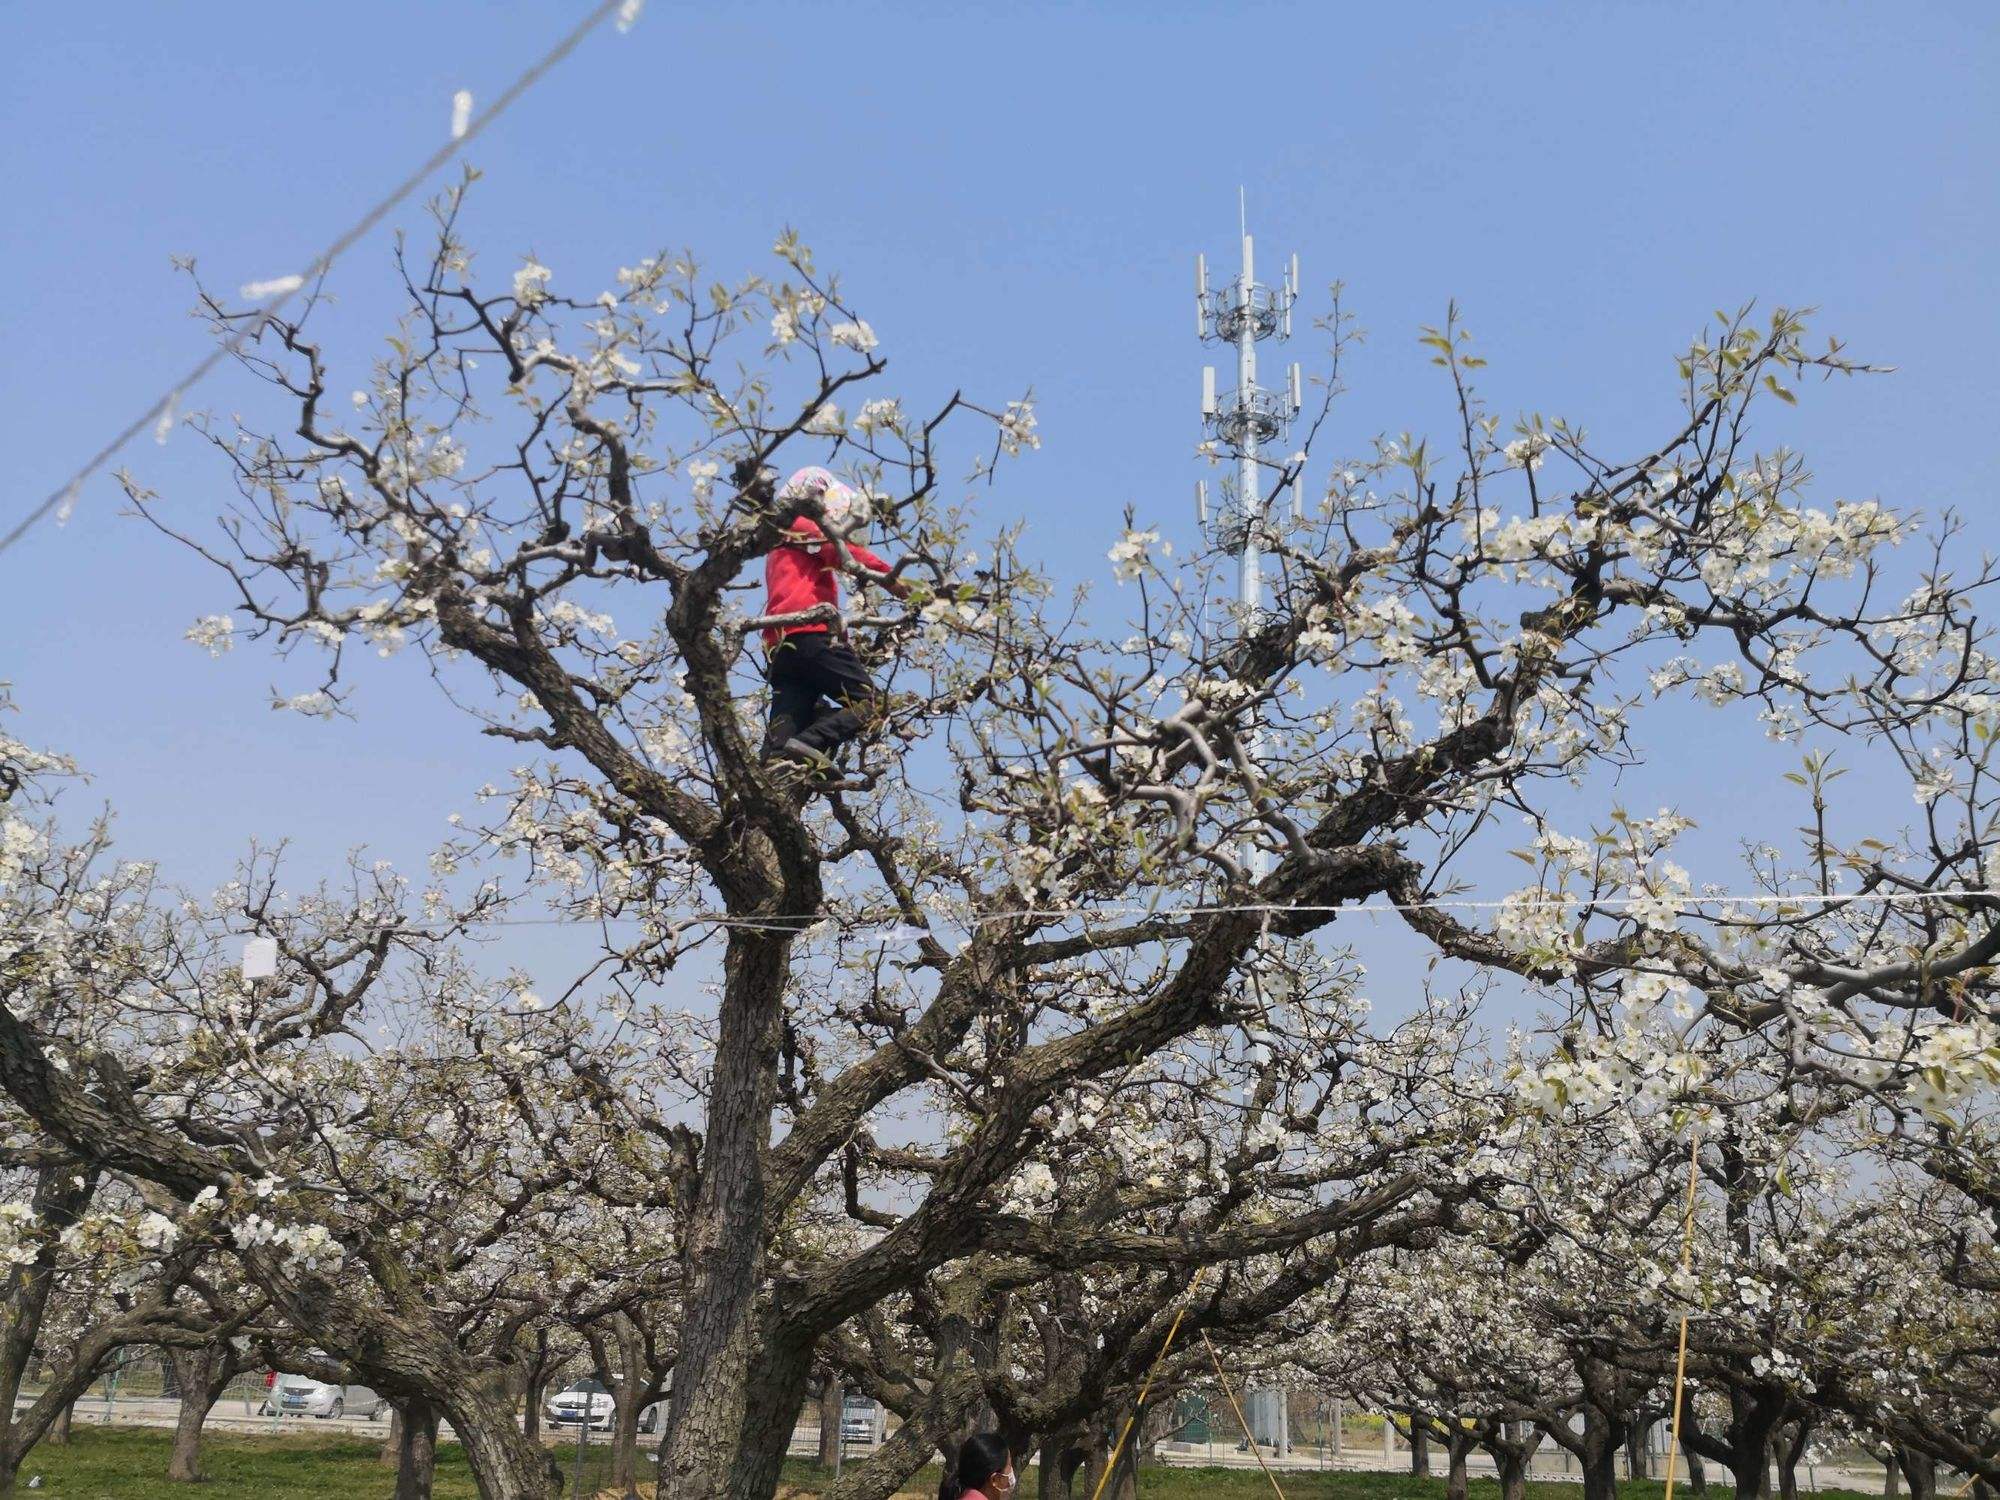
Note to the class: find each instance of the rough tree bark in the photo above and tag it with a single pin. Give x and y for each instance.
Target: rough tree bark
(619, 1349)
(531, 1414)
(1599, 1454)
(1638, 1461)
(201, 1375)
(63, 1189)
(416, 1450)
(1458, 1446)
(1062, 1455)
(1124, 1481)
(1787, 1448)
(832, 1397)
(772, 1399)
(1512, 1446)
(725, 1251)
(1920, 1470)
(1745, 1447)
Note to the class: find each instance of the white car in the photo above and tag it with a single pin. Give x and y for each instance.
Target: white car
(566, 1408)
(302, 1396)
(860, 1421)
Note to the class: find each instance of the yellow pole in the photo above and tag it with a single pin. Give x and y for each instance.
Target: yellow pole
(1118, 1447)
(1251, 1437)
(1681, 1359)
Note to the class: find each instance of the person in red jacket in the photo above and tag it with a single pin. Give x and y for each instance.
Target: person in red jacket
(821, 694)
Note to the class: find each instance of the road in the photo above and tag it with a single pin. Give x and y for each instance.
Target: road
(235, 1415)
(1550, 1465)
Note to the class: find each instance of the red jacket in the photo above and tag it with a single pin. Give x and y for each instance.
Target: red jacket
(799, 575)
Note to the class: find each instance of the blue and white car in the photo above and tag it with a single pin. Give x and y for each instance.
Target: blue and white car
(302, 1396)
(566, 1408)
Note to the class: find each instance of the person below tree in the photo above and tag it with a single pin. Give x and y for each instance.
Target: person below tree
(821, 694)
(983, 1470)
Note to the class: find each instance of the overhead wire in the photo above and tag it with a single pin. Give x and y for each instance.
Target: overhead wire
(288, 287)
(1684, 908)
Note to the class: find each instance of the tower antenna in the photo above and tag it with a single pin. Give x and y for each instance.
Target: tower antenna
(1244, 314)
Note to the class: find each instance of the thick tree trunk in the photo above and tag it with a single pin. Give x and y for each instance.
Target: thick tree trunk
(1457, 1483)
(776, 1390)
(1787, 1450)
(1420, 1446)
(531, 1414)
(1745, 1449)
(1697, 1474)
(1752, 1421)
(59, 1429)
(505, 1465)
(1892, 1477)
(701, 1458)
(1638, 1462)
(1599, 1456)
(1920, 1469)
(832, 1396)
(62, 1191)
(392, 1446)
(1512, 1446)
(1063, 1453)
(416, 1450)
(200, 1376)
(629, 1402)
(1750, 1467)
(1124, 1481)
(623, 1358)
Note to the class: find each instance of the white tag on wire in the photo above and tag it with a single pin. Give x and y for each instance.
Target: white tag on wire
(260, 958)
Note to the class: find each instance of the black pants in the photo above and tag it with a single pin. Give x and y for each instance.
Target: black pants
(804, 671)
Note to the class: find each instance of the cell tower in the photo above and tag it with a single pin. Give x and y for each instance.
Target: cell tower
(1244, 421)
(1248, 418)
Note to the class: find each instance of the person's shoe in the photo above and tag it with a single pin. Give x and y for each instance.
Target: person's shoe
(797, 752)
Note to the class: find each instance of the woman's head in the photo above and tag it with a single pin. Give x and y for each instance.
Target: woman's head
(983, 1464)
(842, 503)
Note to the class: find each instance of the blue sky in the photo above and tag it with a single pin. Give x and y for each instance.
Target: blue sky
(1014, 196)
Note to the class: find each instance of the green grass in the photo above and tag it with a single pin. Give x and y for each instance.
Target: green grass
(1160, 1482)
(130, 1463)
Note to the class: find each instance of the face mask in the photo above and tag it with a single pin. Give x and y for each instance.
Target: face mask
(1001, 1483)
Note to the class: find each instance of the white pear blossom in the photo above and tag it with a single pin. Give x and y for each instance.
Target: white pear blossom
(214, 633)
(856, 335)
(531, 284)
(1132, 554)
(316, 705)
(1017, 427)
